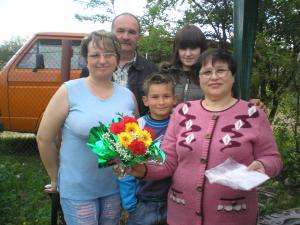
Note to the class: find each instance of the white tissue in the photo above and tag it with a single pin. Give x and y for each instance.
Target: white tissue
(235, 175)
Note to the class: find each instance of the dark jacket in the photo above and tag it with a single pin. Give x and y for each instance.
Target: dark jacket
(186, 89)
(187, 86)
(136, 76)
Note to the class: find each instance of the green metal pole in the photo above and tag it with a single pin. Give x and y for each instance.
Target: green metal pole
(244, 19)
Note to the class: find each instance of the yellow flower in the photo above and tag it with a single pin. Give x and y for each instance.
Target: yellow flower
(125, 139)
(145, 137)
(132, 127)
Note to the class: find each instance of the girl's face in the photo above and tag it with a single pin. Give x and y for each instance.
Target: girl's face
(189, 57)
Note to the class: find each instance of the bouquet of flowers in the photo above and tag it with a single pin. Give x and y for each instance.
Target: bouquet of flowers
(124, 143)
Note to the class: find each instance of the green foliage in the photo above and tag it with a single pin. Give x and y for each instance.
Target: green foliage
(156, 44)
(283, 128)
(9, 48)
(22, 177)
(98, 10)
(282, 192)
(274, 64)
(275, 197)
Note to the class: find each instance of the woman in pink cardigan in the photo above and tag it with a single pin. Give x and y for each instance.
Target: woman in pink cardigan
(203, 134)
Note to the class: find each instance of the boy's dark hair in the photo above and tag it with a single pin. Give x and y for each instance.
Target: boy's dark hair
(101, 38)
(158, 78)
(218, 55)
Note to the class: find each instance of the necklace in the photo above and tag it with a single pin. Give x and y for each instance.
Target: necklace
(218, 105)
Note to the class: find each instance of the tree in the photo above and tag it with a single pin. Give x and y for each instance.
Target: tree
(154, 39)
(276, 50)
(273, 72)
(9, 48)
(214, 17)
(101, 10)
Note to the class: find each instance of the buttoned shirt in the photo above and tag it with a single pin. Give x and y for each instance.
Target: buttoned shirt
(120, 76)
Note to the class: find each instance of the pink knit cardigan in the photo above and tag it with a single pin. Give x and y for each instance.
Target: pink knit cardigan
(197, 140)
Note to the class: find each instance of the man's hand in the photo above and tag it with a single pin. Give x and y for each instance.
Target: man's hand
(259, 103)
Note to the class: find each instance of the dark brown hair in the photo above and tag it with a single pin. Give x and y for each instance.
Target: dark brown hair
(158, 78)
(189, 36)
(218, 55)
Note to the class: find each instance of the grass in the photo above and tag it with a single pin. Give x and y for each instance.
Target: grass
(22, 177)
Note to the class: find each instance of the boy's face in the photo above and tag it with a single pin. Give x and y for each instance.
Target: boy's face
(160, 100)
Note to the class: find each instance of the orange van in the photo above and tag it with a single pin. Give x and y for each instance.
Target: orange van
(33, 74)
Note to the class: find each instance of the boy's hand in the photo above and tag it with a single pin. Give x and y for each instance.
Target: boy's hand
(259, 103)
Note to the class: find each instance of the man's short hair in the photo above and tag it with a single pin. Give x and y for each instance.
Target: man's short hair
(126, 14)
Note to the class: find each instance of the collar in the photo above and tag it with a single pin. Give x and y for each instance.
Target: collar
(137, 62)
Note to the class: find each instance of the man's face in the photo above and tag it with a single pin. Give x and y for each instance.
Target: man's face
(126, 29)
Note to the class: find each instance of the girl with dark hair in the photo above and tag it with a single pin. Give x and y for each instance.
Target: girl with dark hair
(189, 43)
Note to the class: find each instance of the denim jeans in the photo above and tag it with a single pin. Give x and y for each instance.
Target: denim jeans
(101, 211)
(149, 213)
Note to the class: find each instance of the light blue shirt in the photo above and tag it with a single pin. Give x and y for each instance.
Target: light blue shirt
(79, 175)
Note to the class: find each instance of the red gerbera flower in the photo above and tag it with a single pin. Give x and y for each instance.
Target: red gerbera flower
(117, 128)
(137, 147)
(129, 119)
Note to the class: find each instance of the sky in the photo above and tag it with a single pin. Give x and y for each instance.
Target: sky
(24, 18)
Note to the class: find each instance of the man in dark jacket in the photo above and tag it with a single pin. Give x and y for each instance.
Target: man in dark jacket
(133, 68)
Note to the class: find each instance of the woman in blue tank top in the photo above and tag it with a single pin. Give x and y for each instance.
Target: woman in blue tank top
(88, 195)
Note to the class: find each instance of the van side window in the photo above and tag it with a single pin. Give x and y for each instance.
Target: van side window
(43, 54)
(77, 61)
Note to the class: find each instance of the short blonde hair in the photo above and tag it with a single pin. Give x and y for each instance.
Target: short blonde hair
(103, 39)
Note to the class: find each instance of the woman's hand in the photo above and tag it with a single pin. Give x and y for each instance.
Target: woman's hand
(259, 103)
(257, 166)
(50, 188)
(137, 170)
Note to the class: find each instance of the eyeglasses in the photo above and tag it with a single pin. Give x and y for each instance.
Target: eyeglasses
(219, 72)
(106, 55)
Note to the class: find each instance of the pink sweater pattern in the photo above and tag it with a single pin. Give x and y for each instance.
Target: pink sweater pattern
(197, 140)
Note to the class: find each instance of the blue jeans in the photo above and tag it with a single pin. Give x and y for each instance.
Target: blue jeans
(149, 213)
(100, 211)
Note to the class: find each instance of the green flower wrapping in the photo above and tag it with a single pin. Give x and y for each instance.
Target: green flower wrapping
(125, 143)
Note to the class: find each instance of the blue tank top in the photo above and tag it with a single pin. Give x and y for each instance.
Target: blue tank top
(79, 175)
